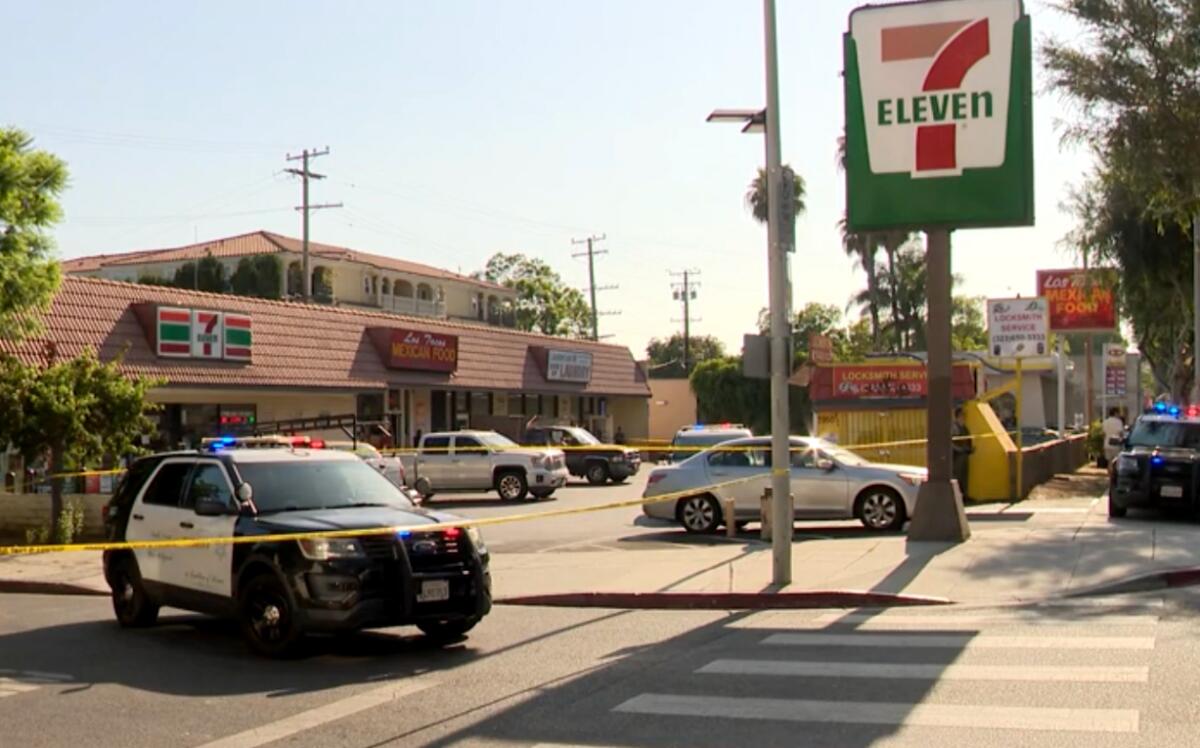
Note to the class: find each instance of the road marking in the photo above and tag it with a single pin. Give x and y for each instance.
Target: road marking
(321, 715)
(12, 687)
(1014, 673)
(961, 641)
(24, 681)
(880, 713)
(958, 621)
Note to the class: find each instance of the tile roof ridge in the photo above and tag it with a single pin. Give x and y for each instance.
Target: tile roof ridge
(344, 311)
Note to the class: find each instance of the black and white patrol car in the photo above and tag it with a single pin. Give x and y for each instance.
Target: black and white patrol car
(281, 590)
(1159, 466)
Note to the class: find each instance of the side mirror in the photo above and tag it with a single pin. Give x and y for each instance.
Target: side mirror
(245, 493)
(826, 464)
(209, 507)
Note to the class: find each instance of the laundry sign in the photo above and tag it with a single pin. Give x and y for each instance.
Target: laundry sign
(202, 334)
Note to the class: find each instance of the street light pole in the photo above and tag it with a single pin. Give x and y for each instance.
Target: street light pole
(781, 493)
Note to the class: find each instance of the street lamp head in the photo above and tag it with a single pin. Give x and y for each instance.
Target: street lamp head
(737, 115)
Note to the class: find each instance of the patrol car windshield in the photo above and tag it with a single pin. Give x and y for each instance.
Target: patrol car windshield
(325, 484)
(1155, 433)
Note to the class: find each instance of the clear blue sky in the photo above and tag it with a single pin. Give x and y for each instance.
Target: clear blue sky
(460, 129)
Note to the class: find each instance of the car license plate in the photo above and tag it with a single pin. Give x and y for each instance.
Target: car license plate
(434, 590)
(1170, 492)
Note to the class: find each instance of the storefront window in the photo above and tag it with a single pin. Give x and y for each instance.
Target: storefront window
(515, 406)
(480, 404)
(369, 406)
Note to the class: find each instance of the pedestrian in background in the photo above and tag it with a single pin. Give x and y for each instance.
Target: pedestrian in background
(962, 449)
(1114, 434)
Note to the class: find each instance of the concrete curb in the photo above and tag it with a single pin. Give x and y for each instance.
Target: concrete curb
(726, 600)
(34, 587)
(1157, 580)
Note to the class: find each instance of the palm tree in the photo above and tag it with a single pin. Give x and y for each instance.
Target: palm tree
(756, 194)
(863, 248)
(892, 242)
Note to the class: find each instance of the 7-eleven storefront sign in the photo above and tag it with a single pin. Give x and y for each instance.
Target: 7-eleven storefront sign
(938, 115)
(203, 334)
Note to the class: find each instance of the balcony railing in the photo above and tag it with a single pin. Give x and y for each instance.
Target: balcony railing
(409, 305)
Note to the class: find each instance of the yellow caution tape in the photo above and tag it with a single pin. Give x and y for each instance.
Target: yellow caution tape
(19, 550)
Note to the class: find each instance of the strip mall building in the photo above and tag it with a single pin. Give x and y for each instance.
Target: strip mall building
(226, 360)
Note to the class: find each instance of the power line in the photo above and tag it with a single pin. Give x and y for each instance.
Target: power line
(592, 288)
(305, 175)
(685, 290)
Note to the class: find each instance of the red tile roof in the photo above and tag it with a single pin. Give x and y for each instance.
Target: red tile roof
(264, 242)
(307, 346)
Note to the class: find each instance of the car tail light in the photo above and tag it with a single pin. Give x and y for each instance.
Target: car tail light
(655, 478)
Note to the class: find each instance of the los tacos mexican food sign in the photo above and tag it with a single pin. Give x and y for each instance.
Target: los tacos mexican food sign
(939, 115)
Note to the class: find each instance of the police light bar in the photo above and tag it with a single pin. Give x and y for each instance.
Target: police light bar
(214, 444)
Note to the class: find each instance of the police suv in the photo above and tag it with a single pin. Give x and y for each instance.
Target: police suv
(279, 590)
(1160, 463)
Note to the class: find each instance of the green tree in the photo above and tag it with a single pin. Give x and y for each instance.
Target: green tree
(968, 331)
(258, 276)
(544, 302)
(813, 318)
(666, 356)
(1133, 73)
(30, 182)
(756, 194)
(1115, 228)
(207, 275)
(77, 412)
(724, 394)
(150, 279)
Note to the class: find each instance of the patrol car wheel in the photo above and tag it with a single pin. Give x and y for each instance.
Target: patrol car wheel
(424, 488)
(268, 618)
(133, 607)
(1115, 510)
(447, 631)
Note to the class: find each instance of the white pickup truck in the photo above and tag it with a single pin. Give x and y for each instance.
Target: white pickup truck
(484, 461)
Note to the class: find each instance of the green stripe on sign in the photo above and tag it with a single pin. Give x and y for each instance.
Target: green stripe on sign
(237, 337)
(174, 332)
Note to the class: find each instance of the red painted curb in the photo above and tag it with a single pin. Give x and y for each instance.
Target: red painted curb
(30, 587)
(726, 600)
(1155, 580)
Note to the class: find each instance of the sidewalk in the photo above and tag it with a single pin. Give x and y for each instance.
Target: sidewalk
(1054, 544)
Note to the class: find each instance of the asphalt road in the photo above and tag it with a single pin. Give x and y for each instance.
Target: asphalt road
(1118, 673)
(592, 529)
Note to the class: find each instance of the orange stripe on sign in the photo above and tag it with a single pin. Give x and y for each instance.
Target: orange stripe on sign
(917, 42)
(165, 315)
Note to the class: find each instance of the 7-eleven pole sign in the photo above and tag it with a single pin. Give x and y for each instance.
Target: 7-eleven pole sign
(938, 125)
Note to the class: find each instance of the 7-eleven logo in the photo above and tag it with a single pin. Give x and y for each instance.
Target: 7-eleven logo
(206, 335)
(935, 79)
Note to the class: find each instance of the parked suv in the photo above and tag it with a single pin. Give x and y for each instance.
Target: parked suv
(586, 456)
(281, 589)
(485, 461)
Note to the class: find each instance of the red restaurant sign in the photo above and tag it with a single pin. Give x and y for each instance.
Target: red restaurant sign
(415, 349)
(1080, 300)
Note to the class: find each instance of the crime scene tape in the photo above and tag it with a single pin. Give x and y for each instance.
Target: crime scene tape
(691, 448)
(26, 550)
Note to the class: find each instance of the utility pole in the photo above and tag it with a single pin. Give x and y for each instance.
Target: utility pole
(685, 291)
(591, 258)
(306, 175)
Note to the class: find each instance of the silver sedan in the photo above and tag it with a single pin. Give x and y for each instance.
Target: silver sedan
(828, 482)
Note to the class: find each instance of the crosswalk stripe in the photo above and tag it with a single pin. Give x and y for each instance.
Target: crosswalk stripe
(958, 621)
(1014, 673)
(960, 641)
(882, 713)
